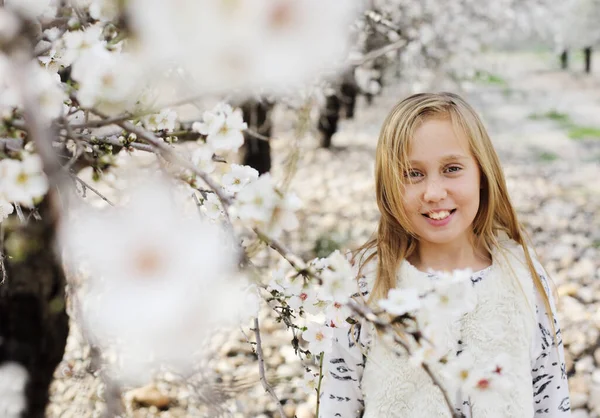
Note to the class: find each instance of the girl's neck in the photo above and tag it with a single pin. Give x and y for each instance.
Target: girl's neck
(449, 257)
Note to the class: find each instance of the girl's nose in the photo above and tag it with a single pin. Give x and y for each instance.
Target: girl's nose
(434, 191)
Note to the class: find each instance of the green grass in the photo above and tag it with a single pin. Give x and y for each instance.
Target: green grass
(574, 131)
(489, 78)
(548, 156)
(552, 115)
(584, 132)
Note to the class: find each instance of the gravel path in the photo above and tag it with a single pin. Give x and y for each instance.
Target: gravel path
(531, 108)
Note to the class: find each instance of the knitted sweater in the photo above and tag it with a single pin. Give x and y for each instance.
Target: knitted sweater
(368, 379)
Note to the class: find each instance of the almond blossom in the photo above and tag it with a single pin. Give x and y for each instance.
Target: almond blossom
(244, 45)
(202, 158)
(310, 382)
(401, 301)
(159, 281)
(339, 278)
(23, 181)
(238, 177)
(164, 120)
(5, 209)
(223, 128)
(212, 207)
(262, 205)
(319, 338)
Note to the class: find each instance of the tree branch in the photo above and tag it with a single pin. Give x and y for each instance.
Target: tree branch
(261, 369)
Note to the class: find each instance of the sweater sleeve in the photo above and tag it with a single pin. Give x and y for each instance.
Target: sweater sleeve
(341, 394)
(550, 386)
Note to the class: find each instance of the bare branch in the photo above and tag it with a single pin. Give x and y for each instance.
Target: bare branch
(84, 184)
(261, 369)
(400, 43)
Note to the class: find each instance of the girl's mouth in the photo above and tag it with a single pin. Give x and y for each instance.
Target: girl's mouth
(441, 218)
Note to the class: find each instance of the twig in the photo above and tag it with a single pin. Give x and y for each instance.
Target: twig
(295, 261)
(370, 56)
(261, 369)
(2, 256)
(319, 384)
(169, 154)
(370, 316)
(85, 185)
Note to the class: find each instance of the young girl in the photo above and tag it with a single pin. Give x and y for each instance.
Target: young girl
(444, 206)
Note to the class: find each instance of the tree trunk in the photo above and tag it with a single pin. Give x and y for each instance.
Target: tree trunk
(564, 60)
(588, 59)
(328, 120)
(33, 320)
(257, 151)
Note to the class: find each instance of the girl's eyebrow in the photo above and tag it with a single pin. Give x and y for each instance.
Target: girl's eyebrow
(451, 157)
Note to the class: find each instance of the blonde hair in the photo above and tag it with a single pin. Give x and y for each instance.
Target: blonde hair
(394, 240)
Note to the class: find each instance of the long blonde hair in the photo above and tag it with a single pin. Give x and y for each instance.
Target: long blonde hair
(395, 241)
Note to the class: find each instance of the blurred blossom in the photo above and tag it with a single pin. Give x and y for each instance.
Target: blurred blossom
(77, 42)
(5, 209)
(212, 207)
(164, 120)
(260, 204)
(107, 81)
(401, 301)
(244, 45)
(30, 8)
(339, 278)
(160, 281)
(223, 127)
(13, 378)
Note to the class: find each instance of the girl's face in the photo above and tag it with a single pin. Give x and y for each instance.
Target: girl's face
(443, 177)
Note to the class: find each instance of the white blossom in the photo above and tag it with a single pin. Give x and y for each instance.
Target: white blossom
(339, 278)
(244, 45)
(160, 281)
(401, 301)
(5, 209)
(319, 338)
(310, 382)
(23, 181)
(257, 201)
(164, 120)
(212, 207)
(13, 378)
(336, 315)
(106, 80)
(202, 158)
(238, 177)
(223, 127)
(77, 42)
(30, 8)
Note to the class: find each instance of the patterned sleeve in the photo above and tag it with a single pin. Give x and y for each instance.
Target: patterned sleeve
(550, 386)
(341, 395)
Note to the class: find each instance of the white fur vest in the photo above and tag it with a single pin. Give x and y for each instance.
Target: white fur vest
(502, 323)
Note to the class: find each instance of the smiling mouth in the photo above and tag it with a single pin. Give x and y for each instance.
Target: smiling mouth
(438, 216)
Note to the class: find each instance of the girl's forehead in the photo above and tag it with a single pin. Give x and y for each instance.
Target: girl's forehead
(437, 140)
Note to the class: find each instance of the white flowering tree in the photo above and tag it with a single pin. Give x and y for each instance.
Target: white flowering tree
(150, 270)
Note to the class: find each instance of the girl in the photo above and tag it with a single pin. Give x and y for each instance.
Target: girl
(444, 206)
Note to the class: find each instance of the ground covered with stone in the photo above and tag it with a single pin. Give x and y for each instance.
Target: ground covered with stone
(545, 126)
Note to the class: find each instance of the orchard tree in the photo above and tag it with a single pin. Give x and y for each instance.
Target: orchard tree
(149, 271)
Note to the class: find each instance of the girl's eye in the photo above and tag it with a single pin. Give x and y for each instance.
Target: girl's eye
(454, 169)
(412, 174)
